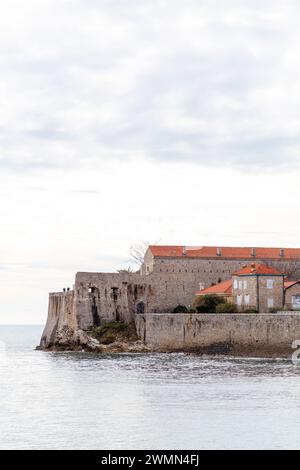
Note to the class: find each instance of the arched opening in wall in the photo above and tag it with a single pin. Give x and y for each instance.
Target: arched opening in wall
(94, 299)
(118, 313)
(140, 308)
(114, 293)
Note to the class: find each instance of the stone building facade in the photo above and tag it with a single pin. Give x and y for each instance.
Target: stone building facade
(258, 287)
(292, 295)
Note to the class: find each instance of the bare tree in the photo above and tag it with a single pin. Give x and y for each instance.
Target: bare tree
(126, 270)
(292, 269)
(137, 252)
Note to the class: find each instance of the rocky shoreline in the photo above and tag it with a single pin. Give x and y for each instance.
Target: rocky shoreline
(81, 341)
(110, 338)
(118, 337)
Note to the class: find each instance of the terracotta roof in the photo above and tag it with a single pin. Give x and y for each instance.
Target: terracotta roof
(258, 269)
(221, 288)
(224, 252)
(289, 284)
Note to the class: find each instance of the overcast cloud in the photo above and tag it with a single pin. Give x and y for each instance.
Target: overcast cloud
(131, 120)
(212, 82)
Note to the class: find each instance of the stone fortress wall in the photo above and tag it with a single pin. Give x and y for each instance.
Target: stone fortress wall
(246, 334)
(161, 285)
(172, 282)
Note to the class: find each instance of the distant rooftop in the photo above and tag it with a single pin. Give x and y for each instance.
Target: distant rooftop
(254, 269)
(178, 251)
(223, 288)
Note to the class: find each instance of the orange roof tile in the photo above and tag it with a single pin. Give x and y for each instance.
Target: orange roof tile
(288, 284)
(258, 269)
(221, 288)
(224, 252)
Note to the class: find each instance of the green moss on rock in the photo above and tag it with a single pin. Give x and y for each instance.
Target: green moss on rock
(115, 332)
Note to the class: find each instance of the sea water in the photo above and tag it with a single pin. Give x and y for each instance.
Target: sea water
(143, 401)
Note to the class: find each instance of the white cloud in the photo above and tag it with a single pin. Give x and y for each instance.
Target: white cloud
(123, 121)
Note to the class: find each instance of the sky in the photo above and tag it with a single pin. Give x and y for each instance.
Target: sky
(129, 121)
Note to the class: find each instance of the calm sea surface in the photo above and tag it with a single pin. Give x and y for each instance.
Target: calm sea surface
(157, 401)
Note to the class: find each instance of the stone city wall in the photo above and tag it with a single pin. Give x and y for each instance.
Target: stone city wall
(257, 334)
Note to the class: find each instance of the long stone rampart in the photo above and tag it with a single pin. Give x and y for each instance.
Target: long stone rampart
(255, 334)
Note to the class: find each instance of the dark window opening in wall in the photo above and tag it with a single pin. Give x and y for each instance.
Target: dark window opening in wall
(115, 292)
(180, 270)
(118, 314)
(140, 308)
(95, 315)
(92, 290)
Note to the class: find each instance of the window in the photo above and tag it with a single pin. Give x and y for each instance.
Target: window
(239, 300)
(140, 308)
(241, 285)
(247, 299)
(270, 283)
(201, 286)
(245, 284)
(296, 301)
(270, 302)
(235, 284)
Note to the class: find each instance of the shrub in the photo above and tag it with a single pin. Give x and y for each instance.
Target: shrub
(273, 310)
(208, 303)
(227, 307)
(180, 309)
(251, 310)
(114, 331)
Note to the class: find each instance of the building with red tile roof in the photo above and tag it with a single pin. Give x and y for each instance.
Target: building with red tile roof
(259, 287)
(223, 289)
(178, 251)
(258, 269)
(182, 270)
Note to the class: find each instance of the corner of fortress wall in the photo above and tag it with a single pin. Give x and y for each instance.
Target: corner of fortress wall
(61, 316)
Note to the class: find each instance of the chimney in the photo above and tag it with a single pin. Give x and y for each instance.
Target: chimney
(253, 252)
(281, 253)
(184, 250)
(219, 252)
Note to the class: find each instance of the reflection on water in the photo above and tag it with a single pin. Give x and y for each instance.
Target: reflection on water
(155, 401)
